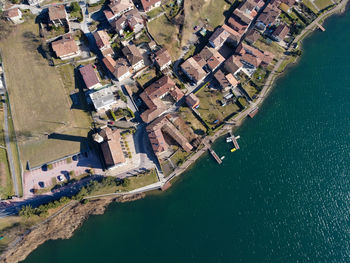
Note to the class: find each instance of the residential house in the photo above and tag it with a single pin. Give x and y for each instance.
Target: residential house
(134, 57)
(222, 80)
(164, 125)
(280, 32)
(14, 15)
(102, 41)
(248, 7)
(252, 58)
(252, 36)
(103, 99)
(223, 34)
(34, 2)
(192, 101)
(90, 77)
(209, 59)
(134, 20)
(122, 69)
(232, 79)
(66, 47)
(193, 70)
(233, 65)
(119, 69)
(58, 15)
(242, 17)
(267, 17)
(119, 24)
(148, 5)
(162, 59)
(131, 19)
(237, 25)
(110, 142)
(116, 8)
(152, 97)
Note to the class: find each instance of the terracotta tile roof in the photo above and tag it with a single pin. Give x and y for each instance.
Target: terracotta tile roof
(121, 68)
(243, 17)
(110, 63)
(102, 39)
(153, 94)
(64, 46)
(192, 100)
(269, 15)
(252, 36)
(211, 57)
(233, 81)
(236, 25)
(10, 13)
(281, 31)
(89, 76)
(162, 57)
(162, 125)
(146, 4)
(57, 12)
(232, 64)
(120, 6)
(132, 54)
(219, 36)
(221, 79)
(193, 69)
(111, 147)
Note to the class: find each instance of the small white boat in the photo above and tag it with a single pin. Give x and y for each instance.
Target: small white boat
(228, 139)
(222, 157)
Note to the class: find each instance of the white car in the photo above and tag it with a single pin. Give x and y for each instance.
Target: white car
(60, 178)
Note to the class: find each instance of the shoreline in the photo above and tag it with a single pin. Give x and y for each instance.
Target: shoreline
(71, 216)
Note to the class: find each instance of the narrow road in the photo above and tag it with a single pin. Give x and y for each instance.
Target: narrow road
(7, 137)
(9, 151)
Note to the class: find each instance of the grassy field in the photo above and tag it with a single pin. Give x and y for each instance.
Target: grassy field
(166, 34)
(310, 6)
(5, 176)
(194, 123)
(40, 100)
(210, 108)
(321, 4)
(272, 47)
(146, 77)
(203, 12)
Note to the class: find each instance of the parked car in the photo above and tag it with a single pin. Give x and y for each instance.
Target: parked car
(60, 178)
(41, 184)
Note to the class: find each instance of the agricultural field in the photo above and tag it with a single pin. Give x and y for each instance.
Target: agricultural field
(40, 100)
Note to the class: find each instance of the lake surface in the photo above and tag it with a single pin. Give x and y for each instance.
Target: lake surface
(284, 197)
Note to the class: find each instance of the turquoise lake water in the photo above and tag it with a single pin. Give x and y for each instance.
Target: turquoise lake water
(284, 197)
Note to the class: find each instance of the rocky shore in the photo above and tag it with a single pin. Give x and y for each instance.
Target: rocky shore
(61, 225)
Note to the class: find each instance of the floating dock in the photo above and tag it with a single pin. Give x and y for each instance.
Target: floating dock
(253, 112)
(233, 139)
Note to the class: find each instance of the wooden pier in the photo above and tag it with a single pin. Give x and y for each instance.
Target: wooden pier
(213, 153)
(234, 140)
(320, 27)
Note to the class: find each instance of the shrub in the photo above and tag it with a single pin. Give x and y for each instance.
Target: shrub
(71, 173)
(113, 115)
(50, 166)
(69, 160)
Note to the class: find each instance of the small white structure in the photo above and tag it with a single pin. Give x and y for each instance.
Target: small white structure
(103, 99)
(14, 15)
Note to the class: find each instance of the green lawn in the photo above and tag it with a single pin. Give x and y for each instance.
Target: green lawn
(188, 116)
(210, 108)
(321, 4)
(165, 34)
(155, 12)
(310, 6)
(250, 89)
(46, 106)
(179, 157)
(146, 77)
